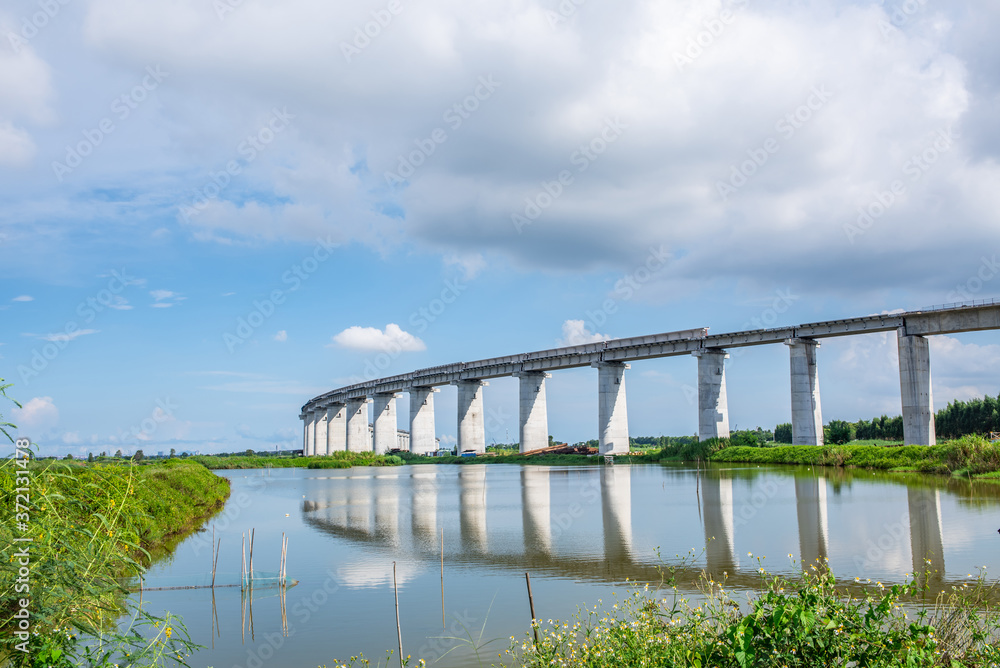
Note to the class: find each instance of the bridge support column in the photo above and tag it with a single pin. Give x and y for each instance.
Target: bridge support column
(471, 420)
(612, 408)
(915, 386)
(422, 435)
(336, 428)
(308, 433)
(358, 436)
(532, 410)
(322, 424)
(384, 409)
(807, 415)
(713, 407)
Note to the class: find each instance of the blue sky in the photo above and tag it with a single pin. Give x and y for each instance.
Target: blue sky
(471, 180)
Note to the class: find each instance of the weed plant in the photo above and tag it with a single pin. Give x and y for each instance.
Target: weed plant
(92, 529)
(803, 621)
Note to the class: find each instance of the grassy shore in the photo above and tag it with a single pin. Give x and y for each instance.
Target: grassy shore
(971, 456)
(337, 460)
(91, 528)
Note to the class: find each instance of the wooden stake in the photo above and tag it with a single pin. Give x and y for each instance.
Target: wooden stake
(215, 563)
(243, 562)
(399, 631)
(442, 578)
(252, 532)
(531, 605)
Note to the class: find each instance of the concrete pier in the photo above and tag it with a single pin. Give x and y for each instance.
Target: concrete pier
(384, 411)
(309, 449)
(717, 505)
(915, 389)
(471, 418)
(358, 436)
(807, 415)
(336, 430)
(423, 439)
(616, 512)
(536, 510)
(472, 507)
(305, 433)
(713, 407)
(532, 410)
(612, 408)
(322, 429)
(814, 534)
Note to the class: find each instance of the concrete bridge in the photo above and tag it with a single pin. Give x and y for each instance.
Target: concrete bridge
(338, 420)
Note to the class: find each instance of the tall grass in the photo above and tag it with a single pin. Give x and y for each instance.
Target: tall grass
(91, 528)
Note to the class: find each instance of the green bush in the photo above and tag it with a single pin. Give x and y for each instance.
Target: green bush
(800, 622)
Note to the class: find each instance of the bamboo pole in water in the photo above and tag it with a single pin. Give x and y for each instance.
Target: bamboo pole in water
(243, 562)
(442, 578)
(399, 630)
(252, 532)
(531, 605)
(215, 562)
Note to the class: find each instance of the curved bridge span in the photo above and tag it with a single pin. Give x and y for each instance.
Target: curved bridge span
(338, 420)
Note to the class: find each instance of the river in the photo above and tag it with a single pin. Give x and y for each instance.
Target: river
(580, 532)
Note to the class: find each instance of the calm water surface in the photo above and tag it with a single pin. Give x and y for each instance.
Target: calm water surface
(579, 531)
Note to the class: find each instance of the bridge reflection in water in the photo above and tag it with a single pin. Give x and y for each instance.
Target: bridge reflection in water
(371, 506)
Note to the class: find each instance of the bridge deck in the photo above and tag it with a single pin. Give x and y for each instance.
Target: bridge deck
(948, 320)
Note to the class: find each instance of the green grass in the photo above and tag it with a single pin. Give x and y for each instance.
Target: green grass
(969, 455)
(551, 460)
(92, 527)
(340, 459)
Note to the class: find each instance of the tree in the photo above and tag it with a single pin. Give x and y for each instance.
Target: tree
(783, 433)
(69, 457)
(90, 457)
(839, 432)
(249, 452)
(138, 456)
(118, 454)
(173, 453)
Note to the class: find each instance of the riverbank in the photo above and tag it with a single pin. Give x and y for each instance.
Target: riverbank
(971, 456)
(337, 460)
(85, 530)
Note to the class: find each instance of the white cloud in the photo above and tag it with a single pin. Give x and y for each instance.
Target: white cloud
(165, 298)
(470, 263)
(71, 438)
(38, 413)
(281, 336)
(372, 338)
(575, 333)
(23, 298)
(16, 145)
(68, 336)
(119, 303)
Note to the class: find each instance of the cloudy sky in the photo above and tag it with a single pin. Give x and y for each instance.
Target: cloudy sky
(213, 210)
